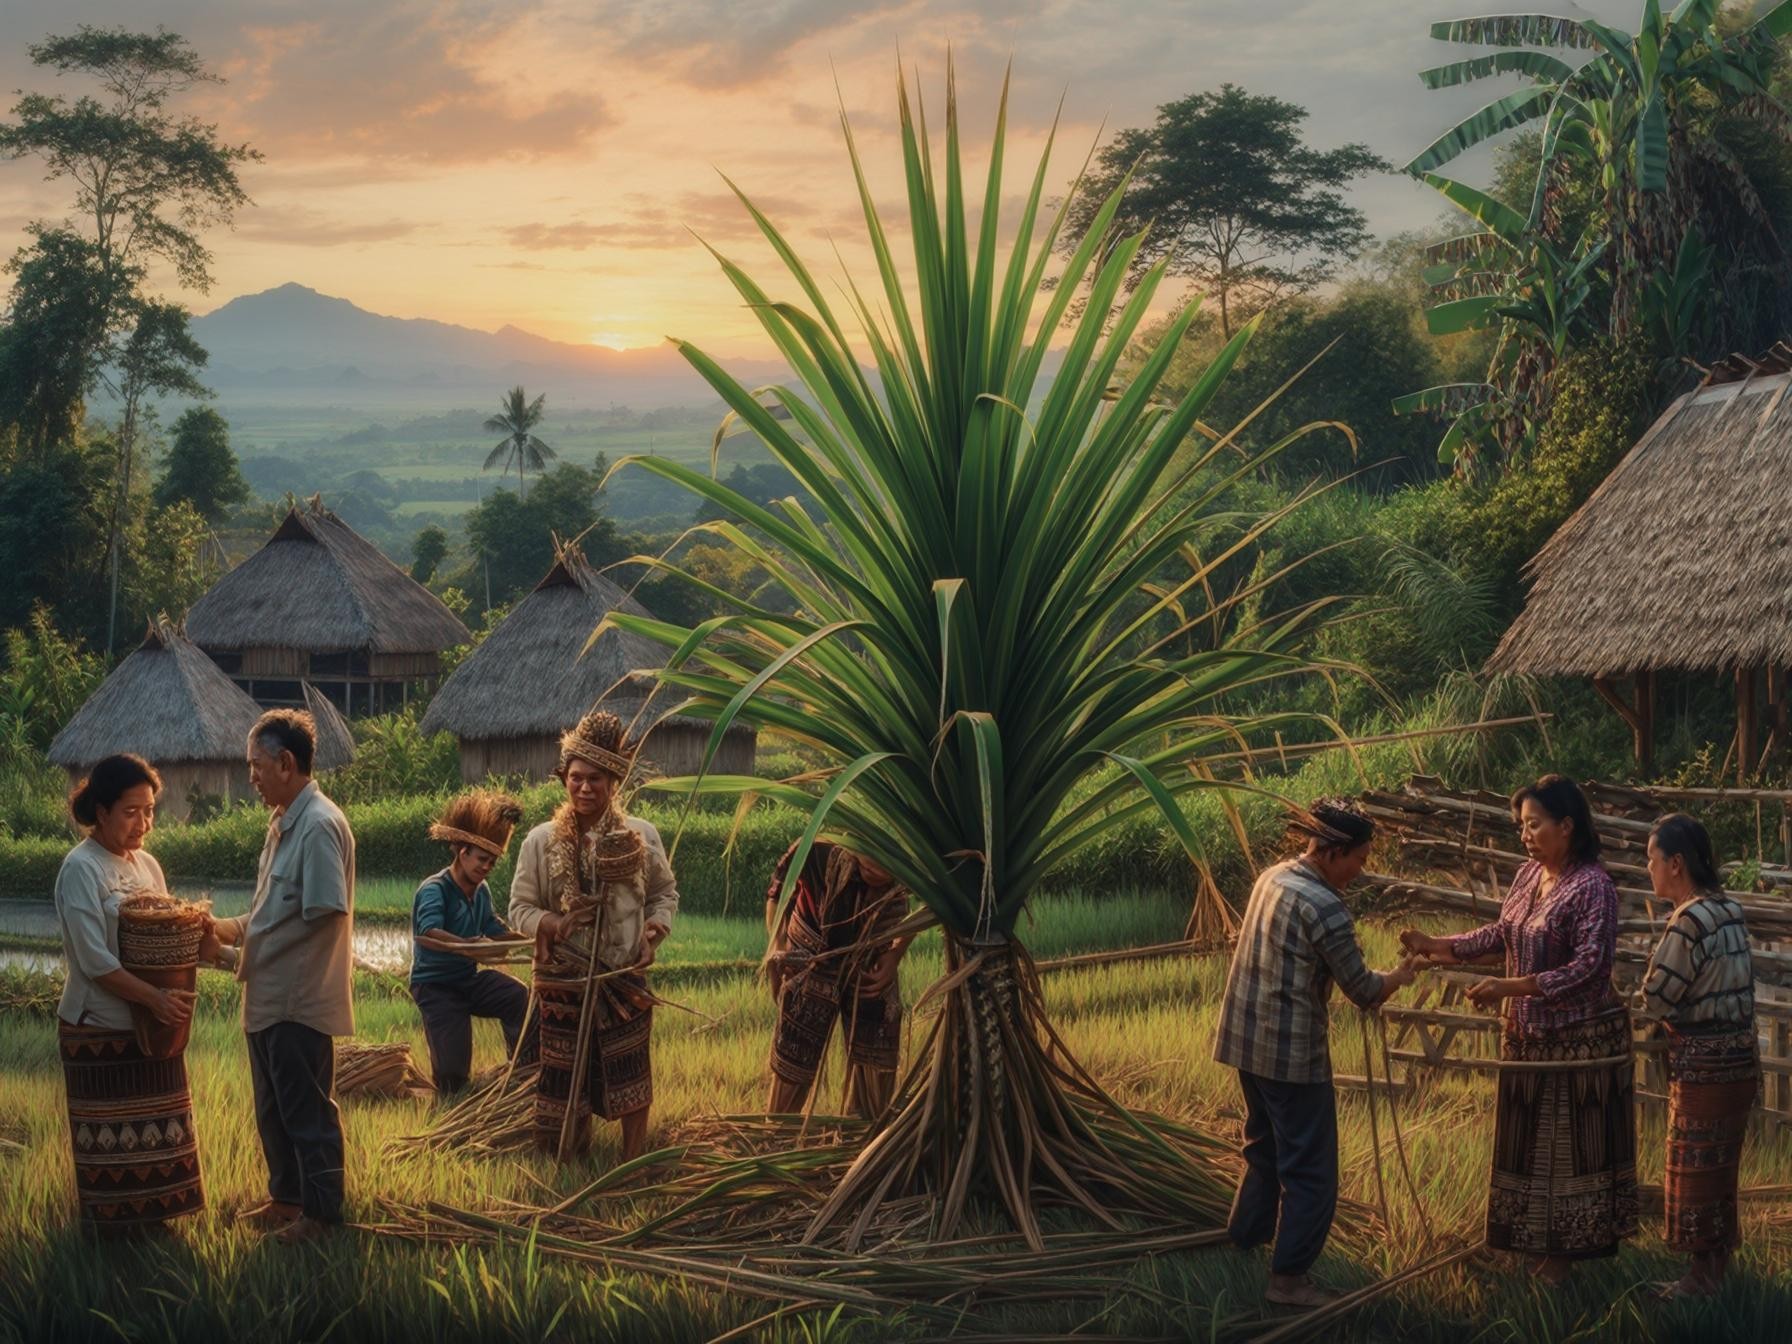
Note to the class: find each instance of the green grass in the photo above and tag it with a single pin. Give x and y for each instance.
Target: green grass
(1144, 1028)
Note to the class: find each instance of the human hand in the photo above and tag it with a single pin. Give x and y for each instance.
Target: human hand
(651, 937)
(1488, 991)
(172, 1007)
(549, 929)
(881, 974)
(1423, 944)
(210, 947)
(1402, 975)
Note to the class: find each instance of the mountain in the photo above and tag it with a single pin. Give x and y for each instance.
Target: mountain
(292, 339)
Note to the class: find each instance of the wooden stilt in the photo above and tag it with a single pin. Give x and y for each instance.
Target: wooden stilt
(1637, 711)
(1745, 723)
(1775, 715)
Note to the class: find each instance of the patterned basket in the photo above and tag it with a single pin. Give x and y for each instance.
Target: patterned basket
(158, 932)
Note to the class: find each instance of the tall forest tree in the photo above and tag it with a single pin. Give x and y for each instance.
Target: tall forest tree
(200, 467)
(146, 184)
(1234, 197)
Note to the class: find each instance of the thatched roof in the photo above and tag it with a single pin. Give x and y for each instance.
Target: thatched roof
(532, 676)
(1682, 558)
(167, 702)
(335, 743)
(319, 586)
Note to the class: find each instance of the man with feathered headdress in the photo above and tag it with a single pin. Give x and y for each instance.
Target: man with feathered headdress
(455, 906)
(594, 882)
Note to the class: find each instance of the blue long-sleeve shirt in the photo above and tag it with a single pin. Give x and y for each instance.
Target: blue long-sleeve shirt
(441, 904)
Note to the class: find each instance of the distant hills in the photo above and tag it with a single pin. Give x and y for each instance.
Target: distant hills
(292, 342)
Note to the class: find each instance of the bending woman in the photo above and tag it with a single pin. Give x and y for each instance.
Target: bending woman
(130, 1116)
(1563, 1185)
(1701, 986)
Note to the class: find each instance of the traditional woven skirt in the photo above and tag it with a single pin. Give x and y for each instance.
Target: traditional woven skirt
(1564, 1143)
(619, 1060)
(1712, 1081)
(131, 1127)
(814, 997)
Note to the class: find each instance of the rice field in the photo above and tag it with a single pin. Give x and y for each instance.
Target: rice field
(1143, 1028)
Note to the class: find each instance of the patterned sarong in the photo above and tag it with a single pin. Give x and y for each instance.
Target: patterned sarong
(131, 1128)
(1713, 1077)
(1564, 1144)
(822, 992)
(619, 1061)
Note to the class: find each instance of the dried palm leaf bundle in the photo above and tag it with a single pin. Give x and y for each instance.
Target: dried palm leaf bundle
(369, 1069)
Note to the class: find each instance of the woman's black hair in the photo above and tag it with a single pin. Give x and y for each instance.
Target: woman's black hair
(1335, 823)
(1562, 799)
(109, 781)
(1678, 835)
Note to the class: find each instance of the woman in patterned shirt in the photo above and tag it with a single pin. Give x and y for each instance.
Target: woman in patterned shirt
(1701, 988)
(1563, 1184)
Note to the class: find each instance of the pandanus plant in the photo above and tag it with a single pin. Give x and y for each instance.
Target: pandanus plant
(982, 645)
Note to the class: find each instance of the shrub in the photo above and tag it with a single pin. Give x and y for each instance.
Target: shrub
(722, 868)
(394, 756)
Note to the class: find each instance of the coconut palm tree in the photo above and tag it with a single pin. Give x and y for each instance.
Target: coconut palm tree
(517, 423)
(981, 646)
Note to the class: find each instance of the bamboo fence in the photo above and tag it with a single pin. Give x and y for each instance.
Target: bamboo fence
(1450, 851)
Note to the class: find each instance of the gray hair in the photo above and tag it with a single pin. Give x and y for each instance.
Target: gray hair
(281, 730)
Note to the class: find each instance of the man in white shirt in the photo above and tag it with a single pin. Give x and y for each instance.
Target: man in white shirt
(296, 967)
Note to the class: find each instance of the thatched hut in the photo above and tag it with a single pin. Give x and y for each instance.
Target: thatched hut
(1680, 562)
(320, 603)
(532, 678)
(171, 705)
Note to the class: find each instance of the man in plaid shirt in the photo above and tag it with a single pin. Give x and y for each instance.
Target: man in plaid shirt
(1297, 938)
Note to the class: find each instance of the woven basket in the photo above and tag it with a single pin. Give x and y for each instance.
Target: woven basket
(159, 939)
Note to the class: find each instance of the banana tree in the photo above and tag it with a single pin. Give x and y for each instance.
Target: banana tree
(1621, 118)
(1536, 293)
(981, 647)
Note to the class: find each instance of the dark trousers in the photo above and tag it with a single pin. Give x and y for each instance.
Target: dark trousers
(448, 1010)
(1291, 1166)
(293, 1069)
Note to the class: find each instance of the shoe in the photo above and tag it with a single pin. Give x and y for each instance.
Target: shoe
(1298, 1293)
(303, 1229)
(268, 1216)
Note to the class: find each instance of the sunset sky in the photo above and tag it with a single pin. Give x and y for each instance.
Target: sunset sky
(539, 162)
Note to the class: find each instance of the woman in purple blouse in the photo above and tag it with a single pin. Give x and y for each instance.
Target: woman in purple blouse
(1563, 1185)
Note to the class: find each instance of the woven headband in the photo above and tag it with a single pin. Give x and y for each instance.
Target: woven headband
(454, 835)
(595, 755)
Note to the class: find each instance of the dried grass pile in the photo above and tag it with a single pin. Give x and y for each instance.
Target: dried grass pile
(496, 1115)
(370, 1069)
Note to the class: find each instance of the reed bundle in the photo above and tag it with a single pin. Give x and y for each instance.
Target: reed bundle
(369, 1069)
(495, 1116)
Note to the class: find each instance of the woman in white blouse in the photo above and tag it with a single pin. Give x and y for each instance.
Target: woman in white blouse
(130, 1115)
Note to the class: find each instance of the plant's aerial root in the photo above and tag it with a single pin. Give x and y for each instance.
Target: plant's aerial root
(1002, 1176)
(948, 1284)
